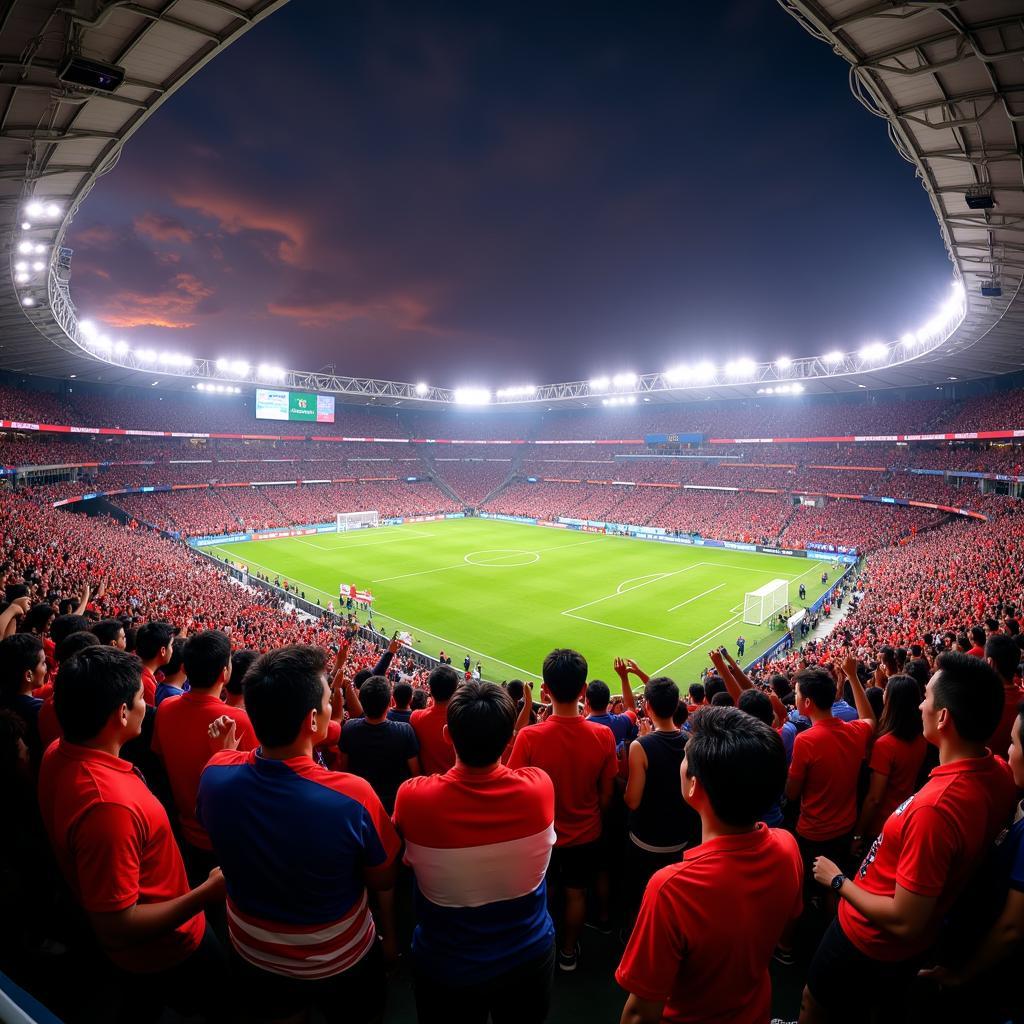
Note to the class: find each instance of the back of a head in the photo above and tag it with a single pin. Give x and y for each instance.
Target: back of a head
(901, 713)
(177, 662)
(697, 693)
(780, 684)
(151, 637)
(917, 668)
(91, 687)
(1004, 654)
(419, 700)
(739, 761)
(107, 630)
(565, 674)
(73, 644)
(375, 696)
(19, 653)
(971, 691)
(38, 618)
(64, 625)
(756, 703)
(515, 689)
(481, 718)
(442, 682)
(992, 625)
(598, 696)
(723, 700)
(403, 695)
(680, 715)
(816, 685)
(207, 654)
(241, 662)
(978, 635)
(281, 688)
(661, 696)
(713, 685)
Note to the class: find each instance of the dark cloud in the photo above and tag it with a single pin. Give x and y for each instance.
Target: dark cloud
(480, 191)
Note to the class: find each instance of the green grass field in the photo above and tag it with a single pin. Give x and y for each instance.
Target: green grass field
(507, 593)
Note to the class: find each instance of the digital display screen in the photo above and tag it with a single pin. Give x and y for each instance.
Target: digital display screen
(294, 406)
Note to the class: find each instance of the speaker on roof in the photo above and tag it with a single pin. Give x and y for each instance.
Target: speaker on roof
(93, 74)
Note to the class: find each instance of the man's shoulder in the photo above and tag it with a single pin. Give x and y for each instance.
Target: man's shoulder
(227, 759)
(344, 784)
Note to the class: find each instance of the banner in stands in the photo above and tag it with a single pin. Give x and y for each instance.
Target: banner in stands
(508, 519)
(834, 548)
(225, 538)
(346, 590)
(673, 439)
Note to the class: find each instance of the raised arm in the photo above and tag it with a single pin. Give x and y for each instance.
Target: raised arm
(864, 709)
(623, 667)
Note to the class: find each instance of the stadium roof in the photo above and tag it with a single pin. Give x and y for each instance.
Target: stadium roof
(947, 77)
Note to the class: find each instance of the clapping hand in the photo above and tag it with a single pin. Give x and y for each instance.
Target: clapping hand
(223, 734)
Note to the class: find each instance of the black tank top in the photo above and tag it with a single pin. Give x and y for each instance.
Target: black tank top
(663, 821)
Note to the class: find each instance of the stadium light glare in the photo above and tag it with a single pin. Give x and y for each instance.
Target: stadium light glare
(28, 301)
(86, 328)
(200, 386)
(121, 347)
(239, 367)
(223, 364)
(676, 374)
(267, 371)
(145, 355)
(21, 265)
(704, 370)
(472, 396)
(743, 367)
(25, 248)
(38, 265)
(39, 248)
(599, 384)
(783, 363)
(53, 210)
(21, 277)
(873, 352)
(832, 357)
(798, 389)
(26, 225)
(519, 391)
(908, 339)
(34, 209)
(422, 388)
(958, 291)
(103, 342)
(624, 380)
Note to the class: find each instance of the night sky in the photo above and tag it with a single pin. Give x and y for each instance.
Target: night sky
(482, 193)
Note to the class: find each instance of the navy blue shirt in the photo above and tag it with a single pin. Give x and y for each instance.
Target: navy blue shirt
(623, 726)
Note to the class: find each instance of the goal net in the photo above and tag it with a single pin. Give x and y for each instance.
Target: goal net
(764, 602)
(357, 520)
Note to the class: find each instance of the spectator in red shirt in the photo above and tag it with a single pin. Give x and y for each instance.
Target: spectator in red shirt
(153, 646)
(579, 756)
(182, 742)
(114, 844)
(1003, 654)
(977, 649)
(825, 768)
(111, 632)
(707, 927)
(891, 911)
(896, 758)
(436, 755)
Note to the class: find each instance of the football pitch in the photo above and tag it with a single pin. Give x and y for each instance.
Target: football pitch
(507, 593)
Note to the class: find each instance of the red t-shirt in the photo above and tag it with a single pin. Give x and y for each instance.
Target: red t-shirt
(436, 755)
(826, 761)
(181, 741)
(709, 925)
(999, 742)
(900, 761)
(930, 845)
(114, 844)
(578, 756)
(148, 687)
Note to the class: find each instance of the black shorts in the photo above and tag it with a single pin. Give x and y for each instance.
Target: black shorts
(836, 850)
(847, 983)
(574, 867)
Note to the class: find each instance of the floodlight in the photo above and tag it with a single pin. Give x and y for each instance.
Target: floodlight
(472, 396)
(267, 372)
(624, 380)
(908, 339)
(21, 265)
(421, 388)
(25, 247)
(223, 364)
(28, 301)
(34, 209)
(676, 374)
(26, 225)
(86, 328)
(200, 386)
(121, 347)
(145, 355)
(39, 265)
(39, 248)
(743, 367)
(875, 351)
(783, 363)
(239, 367)
(103, 342)
(21, 278)
(52, 210)
(832, 357)
(600, 384)
(704, 370)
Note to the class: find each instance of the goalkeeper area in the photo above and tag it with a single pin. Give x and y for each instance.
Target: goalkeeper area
(507, 593)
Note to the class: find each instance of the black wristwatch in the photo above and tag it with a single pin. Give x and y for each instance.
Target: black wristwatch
(837, 882)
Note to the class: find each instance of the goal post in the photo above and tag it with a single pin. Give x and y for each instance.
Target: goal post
(357, 520)
(764, 602)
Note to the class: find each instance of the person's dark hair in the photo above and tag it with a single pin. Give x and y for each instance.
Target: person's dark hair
(1012, 625)
(978, 635)
(972, 692)
(91, 686)
(151, 637)
(712, 685)
(901, 714)
(207, 654)
(963, 641)
(375, 696)
(360, 677)
(443, 682)
(680, 715)
(174, 666)
(780, 685)
(19, 654)
(661, 695)
(918, 669)
(992, 625)
(241, 661)
(1004, 652)
(281, 688)
(876, 698)
(739, 761)
(916, 650)
(64, 625)
(516, 688)
(403, 694)
(37, 618)
(697, 694)
(598, 696)
(816, 685)
(131, 632)
(74, 644)
(419, 700)
(481, 717)
(888, 658)
(106, 630)
(723, 699)
(756, 703)
(565, 674)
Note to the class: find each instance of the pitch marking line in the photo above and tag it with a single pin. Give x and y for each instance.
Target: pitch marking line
(624, 629)
(650, 578)
(693, 644)
(696, 596)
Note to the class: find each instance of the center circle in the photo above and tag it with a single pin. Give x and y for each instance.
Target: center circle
(502, 558)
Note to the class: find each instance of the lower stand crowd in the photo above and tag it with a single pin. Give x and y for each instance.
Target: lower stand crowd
(239, 835)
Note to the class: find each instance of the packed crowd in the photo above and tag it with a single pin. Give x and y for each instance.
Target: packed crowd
(308, 811)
